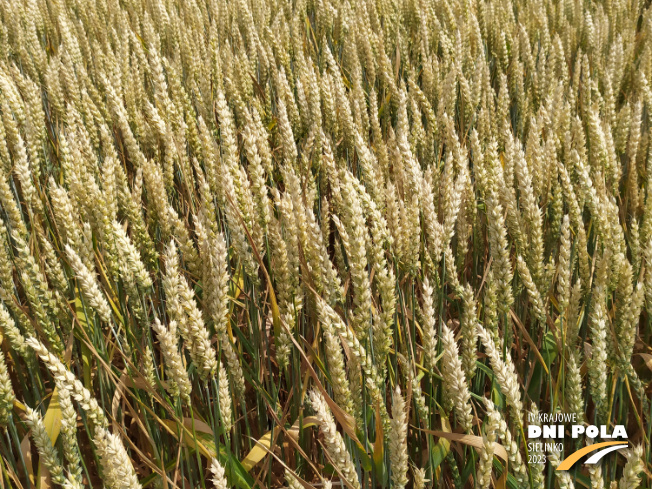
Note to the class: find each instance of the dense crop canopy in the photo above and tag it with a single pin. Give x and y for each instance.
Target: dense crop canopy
(352, 243)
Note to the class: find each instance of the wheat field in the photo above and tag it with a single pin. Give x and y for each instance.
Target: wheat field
(323, 243)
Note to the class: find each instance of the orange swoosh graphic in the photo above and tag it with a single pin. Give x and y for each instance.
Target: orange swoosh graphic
(574, 457)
